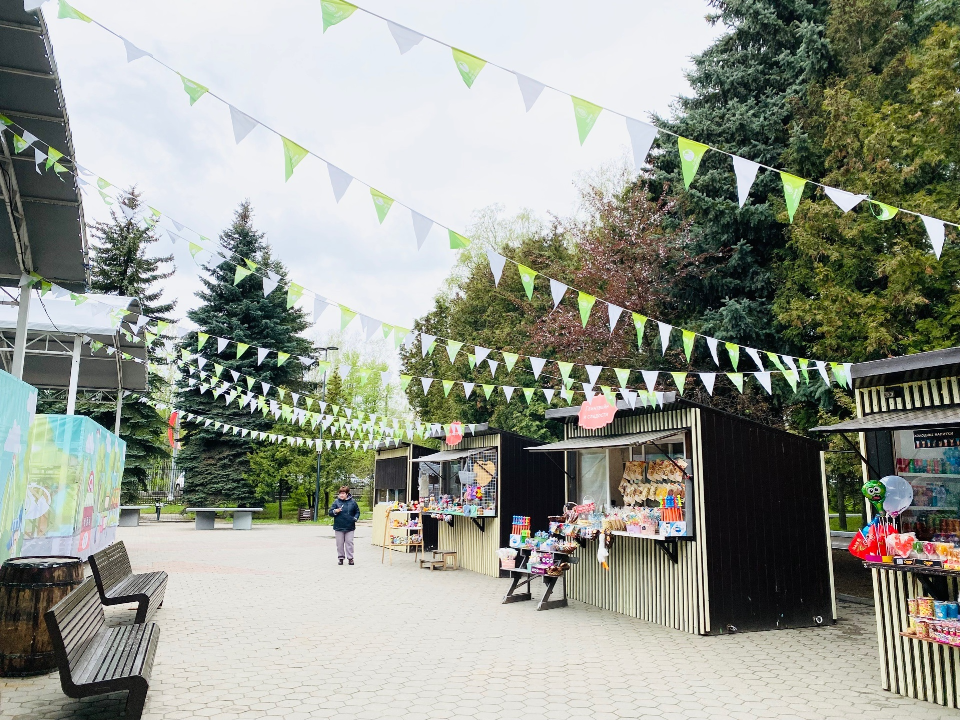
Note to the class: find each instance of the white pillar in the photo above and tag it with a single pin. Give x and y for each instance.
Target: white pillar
(74, 375)
(20, 342)
(116, 423)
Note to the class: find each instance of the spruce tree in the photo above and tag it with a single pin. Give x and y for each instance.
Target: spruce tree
(122, 264)
(216, 464)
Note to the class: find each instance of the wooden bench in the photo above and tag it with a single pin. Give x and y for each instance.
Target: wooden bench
(94, 659)
(118, 585)
(304, 515)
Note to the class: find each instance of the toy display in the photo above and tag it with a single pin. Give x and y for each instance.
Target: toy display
(477, 496)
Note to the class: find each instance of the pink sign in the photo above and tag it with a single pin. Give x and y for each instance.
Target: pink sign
(455, 434)
(597, 413)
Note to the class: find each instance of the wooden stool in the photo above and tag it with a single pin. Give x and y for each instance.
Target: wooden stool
(448, 559)
(431, 564)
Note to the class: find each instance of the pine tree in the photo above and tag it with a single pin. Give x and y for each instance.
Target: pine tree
(121, 264)
(217, 464)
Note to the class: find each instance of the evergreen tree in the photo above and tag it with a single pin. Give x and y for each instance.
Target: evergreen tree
(217, 464)
(121, 264)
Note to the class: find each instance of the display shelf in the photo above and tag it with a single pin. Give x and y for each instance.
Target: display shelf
(623, 533)
(933, 475)
(930, 640)
(931, 507)
(917, 569)
(458, 513)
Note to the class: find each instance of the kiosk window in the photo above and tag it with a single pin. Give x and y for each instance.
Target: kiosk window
(593, 478)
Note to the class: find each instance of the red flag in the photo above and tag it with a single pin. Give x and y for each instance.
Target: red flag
(173, 424)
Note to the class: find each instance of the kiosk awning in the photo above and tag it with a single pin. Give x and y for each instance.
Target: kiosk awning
(587, 443)
(448, 455)
(933, 417)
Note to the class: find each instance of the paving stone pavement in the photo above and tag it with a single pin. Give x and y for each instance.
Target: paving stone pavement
(266, 624)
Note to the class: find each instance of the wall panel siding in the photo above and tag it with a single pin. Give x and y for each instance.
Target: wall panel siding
(476, 550)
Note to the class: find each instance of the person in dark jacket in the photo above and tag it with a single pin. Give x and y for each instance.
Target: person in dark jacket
(345, 513)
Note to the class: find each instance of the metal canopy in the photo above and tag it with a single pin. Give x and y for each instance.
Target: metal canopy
(589, 443)
(43, 230)
(934, 417)
(907, 368)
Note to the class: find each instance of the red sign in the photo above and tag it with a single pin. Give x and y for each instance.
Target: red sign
(455, 433)
(597, 413)
(173, 425)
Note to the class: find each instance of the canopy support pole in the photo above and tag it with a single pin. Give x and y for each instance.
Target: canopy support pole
(20, 341)
(74, 375)
(116, 422)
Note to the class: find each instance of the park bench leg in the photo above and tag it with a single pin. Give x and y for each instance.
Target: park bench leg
(549, 584)
(242, 521)
(135, 701)
(510, 597)
(205, 520)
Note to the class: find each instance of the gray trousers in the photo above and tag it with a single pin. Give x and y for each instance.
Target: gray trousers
(345, 544)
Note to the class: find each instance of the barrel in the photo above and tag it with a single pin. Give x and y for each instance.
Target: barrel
(30, 586)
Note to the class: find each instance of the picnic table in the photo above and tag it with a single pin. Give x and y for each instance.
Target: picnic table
(242, 517)
(130, 514)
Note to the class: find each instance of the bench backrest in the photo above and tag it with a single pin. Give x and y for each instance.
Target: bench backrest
(73, 621)
(111, 565)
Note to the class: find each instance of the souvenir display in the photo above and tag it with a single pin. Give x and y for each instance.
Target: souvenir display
(477, 492)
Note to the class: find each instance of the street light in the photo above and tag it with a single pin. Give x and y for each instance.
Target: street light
(323, 395)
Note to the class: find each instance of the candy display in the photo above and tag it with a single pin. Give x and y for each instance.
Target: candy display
(935, 620)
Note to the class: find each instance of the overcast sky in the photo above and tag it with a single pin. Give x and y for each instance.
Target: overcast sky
(406, 124)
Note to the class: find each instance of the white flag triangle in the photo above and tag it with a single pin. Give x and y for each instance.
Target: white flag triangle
(319, 305)
(936, 231)
(177, 225)
(756, 357)
(425, 342)
(557, 290)
(370, 325)
(764, 378)
(467, 389)
(405, 38)
(508, 391)
(630, 397)
(530, 89)
(496, 265)
(712, 344)
(481, 353)
(261, 354)
(613, 313)
(665, 331)
(846, 201)
(221, 344)
(243, 124)
(421, 227)
(133, 52)
(588, 391)
(339, 181)
(426, 382)
(537, 365)
(746, 171)
(642, 136)
(593, 372)
(650, 379)
(266, 390)
(708, 380)
(493, 367)
(548, 394)
(269, 285)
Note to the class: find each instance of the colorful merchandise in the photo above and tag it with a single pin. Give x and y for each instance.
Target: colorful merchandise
(17, 408)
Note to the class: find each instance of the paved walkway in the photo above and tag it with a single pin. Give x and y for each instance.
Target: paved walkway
(265, 624)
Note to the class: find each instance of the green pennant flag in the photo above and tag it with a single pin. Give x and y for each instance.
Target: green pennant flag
(194, 249)
(468, 65)
(737, 379)
(399, 334)
(528, 394)
(292, 155)
(839, 374)
(52, 156)
(472, 359)
(381, 203)
(217, 369)
(510, 359)
(680, 380)
(775, 359)
(623, 376)
(19, 144)
(281, 392)
(488, 390)
(250, 381)
(194, 89)
(239, 274)
(346, 315)
(202, 340)
(639, 321)
(335, 11)
(66, 12)
(804, 364)
(792, 377)
(565, 368)
(404, 381)
(734, 352)
(691, 153)
(585, 301)
(792, 191)
(526, 277)
(458, 241)
(149, 336)
(689, 336)
(59, 169)
(294, 293)
(251, 264)
(566, 394)
(883, 211)
(241, 349)
(447, 384)
(453, 347)
(586, 114)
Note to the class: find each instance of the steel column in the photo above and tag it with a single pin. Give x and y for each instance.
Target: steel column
(74, 375)
(20, 343)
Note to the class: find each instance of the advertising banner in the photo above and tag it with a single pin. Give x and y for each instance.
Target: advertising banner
(18, 403)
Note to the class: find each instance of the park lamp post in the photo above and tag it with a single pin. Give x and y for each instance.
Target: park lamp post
(323, 395)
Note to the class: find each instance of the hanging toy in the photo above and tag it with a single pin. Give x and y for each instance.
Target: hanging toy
(875, 491)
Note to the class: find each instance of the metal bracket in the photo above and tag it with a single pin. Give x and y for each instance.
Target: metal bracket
(480, 523)
(670, 548)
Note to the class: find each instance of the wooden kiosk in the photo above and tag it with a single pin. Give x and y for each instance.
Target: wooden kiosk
(395, 481)
(908, 424)
(754, 553)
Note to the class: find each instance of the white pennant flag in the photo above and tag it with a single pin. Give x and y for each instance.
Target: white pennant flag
(756, 357)
(29, 138)
(629, 397)
(269, 285)
(339, 180)
(844, 200)
(408, 340)
(467, 389)
(789, 362)
(708, 380)
(177, 225)
(557, 290)
(508, 391)
(266, 388)
(593, 372)
(548, 394)
(370, 325)
(746, 171)
(426, 382)
(712, 344)
(405, 38)
(243, 124)
(665, 331)
(822, 369)
(221, 344)
(935, 230)
(764, 378)
(38, 157)
(133, 52)
(385, 377)
(588, 391)
(261, 354)
(421, 227)
(493, 367)
(537, 365)
(425, 342)
(642, 136)
(650, 379)
(128, 212)
(481, 353)
(530, 89)
(319, 305)
(496, 265)
(613, 313)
